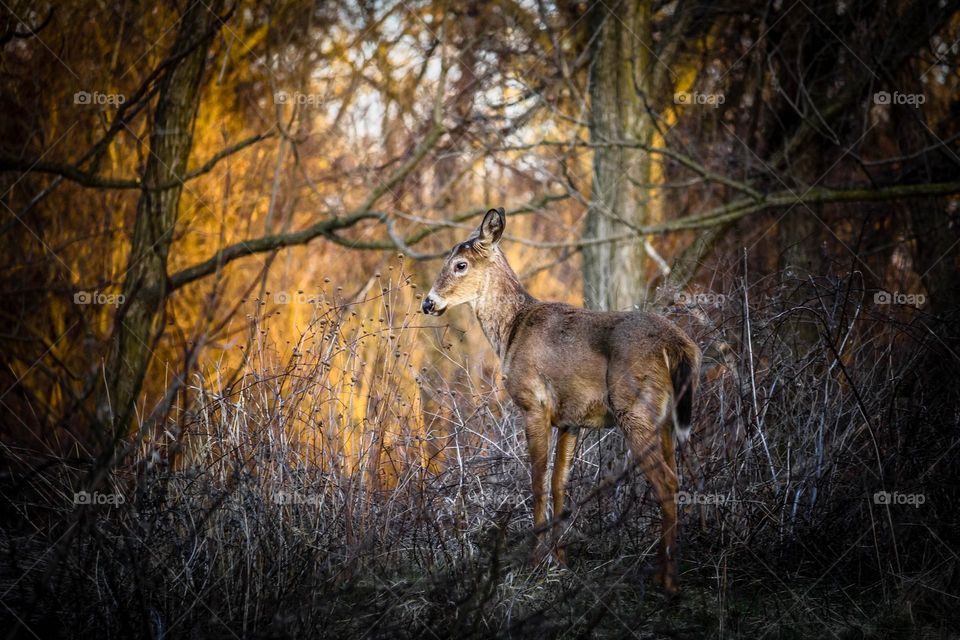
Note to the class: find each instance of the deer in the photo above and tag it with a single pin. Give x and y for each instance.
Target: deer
(568, 368)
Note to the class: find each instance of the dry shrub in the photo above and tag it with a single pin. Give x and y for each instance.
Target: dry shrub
(344, 485)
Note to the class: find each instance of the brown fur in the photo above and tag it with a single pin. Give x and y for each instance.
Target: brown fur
(567, 367)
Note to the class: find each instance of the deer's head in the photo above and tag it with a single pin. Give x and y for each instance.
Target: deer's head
(465, 271)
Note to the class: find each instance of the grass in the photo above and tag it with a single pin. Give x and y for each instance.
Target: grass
(365, 482)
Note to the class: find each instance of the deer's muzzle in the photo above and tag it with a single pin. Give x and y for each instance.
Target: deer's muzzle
(432, 306)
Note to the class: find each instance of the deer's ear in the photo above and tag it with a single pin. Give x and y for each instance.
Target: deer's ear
(491, 229)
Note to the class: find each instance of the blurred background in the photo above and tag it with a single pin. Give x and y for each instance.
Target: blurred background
(224, 414)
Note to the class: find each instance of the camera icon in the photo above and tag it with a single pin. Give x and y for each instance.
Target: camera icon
(82, 497)
(82, 97)
(682, 298)
(881, 97)
(281, 97)
(881, 497)
(281, 297)
(684, 498)
(882, 297)
(82, 297)
(682, 97)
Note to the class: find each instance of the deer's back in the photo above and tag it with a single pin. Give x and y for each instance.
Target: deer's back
(559, 358)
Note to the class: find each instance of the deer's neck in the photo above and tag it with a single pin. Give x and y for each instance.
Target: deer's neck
(502, 299)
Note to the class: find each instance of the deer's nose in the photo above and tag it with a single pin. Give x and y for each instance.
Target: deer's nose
(428, 305)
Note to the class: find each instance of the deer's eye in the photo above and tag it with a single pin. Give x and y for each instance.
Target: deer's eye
(460, 267)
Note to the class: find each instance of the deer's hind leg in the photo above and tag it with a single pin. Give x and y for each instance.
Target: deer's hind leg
(641, 412)
(566, 443)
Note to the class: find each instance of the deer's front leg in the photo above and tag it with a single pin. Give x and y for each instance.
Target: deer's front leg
(538, 442)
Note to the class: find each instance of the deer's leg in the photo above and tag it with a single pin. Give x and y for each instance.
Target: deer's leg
(641, 422)
(538, 443)
(667, 495)
(566, 443)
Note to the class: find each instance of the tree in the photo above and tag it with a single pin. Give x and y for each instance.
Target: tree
(139, 320)
(619, 84)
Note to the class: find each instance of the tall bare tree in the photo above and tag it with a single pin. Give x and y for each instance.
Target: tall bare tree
(619, 82)
(139, 321)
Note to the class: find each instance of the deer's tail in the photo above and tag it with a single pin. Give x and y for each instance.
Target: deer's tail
(685, 376)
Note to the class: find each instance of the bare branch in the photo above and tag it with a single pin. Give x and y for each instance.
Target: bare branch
(68, 171)
(75, 174)
(267, 243)
(680, 158)
(742, 208)
(12, 32)
(328, 229)
(718, 216)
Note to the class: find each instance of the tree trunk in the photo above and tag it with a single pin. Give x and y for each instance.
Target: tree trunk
(937, 257)
(139, 321)
(613, 275)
